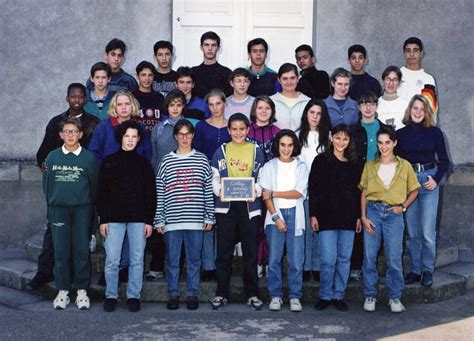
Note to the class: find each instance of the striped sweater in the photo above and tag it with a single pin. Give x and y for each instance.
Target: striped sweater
(184, 192)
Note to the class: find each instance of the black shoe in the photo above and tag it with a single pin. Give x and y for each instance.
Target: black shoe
(192, 303)
(173, 303)
(412, 278)
(322, 304)
(38, 281)
(101, 280)
(109, 304)
(340, 305)
(133, 305)
(123, 275)
(316, 276)
(427, 279)
(306, 276)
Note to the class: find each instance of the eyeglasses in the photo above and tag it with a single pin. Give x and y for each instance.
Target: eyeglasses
(391, 80)
(184, 135)
(73, 132)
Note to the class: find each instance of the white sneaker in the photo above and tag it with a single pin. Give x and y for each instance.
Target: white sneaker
(396, 306)
(295, 305)
(260, 271)
(62, 300)
(369, 304)
(82, 300)
(255, 303)
(275, 304)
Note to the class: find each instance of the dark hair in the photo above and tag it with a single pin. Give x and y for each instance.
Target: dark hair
(413, 40)
(392, 68)
(171, 97)
(287, 67)
(115, 44)
(162, 44)
(144, 65)
(70, 120)
(350, 151)
(121, 129)
(211, 35)
(276, 142)
(238, 116)
(183, 123)
(323, 128)
(240, 71)
(253, 110)
(76, 86)
(184, 71)
(340, 72)
(101, 66)
(356, 48)
(306, 48)
(387, 130)
(368, 97)
(257, 41)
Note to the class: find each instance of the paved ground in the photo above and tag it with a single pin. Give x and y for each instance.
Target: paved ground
(28, 317)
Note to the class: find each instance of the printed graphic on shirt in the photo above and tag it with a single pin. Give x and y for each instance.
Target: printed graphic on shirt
(186, 183)
(241, 166)
(66, 173)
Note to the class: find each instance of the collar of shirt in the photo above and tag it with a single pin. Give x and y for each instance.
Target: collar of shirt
(76, 152)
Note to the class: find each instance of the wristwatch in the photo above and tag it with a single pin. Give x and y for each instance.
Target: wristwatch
(275, 217)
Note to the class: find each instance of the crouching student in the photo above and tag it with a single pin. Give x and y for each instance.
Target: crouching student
(389, 186)
(185, 208)
(126, 204)
(284, 181)
(237, 220)
(69, 185)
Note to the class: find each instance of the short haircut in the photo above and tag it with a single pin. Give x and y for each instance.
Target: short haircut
(115, 44)
(217, 93)
(183, 123)
(184, 71)
(101, 66)
(133, 101)
(287, 67)
(122, 128)
(340, 72)
(429, 120)
(211, 35)
(392, 68)
(276, 142)
(413, 40)
(257, 41)
(253, 110)
(238, 116)
(172, 96)
(356, 48)
(387, 130)
(70, 120)
(162, 44)
(350, 151)
(239, 72)
(76, 86)
(144, 65)
(368, 97)
(306, 48)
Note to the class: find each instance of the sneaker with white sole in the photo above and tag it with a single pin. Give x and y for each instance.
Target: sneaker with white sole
(369, 304)
(254, 303)
(396, 306)
(355, 274)
(82, 300)
(295, 305)
(218, 302)
(275, 304)
(152, 276)
(260, 271)
(62, 300)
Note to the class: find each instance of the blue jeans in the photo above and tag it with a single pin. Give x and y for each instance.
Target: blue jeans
(389, 228)
(336, 251)
(113, 248)
(209, 250)
(421, 226)
(295, 254)
(311, 244)
(193, 244)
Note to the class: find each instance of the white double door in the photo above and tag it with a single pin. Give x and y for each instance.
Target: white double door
(284, 24)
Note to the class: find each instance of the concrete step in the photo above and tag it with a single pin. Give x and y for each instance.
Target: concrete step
(449, 281)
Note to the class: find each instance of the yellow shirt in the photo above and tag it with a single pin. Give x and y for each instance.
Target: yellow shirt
(239, 158)
(403, 183)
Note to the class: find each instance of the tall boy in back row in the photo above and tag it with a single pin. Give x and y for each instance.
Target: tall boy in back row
(165, 77)
(313, 83)
(361, 82)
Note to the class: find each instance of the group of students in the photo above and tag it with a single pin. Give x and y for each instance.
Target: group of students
(330, 157)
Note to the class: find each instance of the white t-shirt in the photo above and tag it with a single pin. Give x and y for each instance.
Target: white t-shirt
(386, 173)
(308, 152)
(286, 182)
(413, 81)
(392, 112)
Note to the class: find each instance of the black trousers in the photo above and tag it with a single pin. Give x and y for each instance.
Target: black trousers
(233, 227)
(46, 258)
(357, 252)
(158, 249)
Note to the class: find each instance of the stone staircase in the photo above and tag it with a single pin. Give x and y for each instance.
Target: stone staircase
(454, 275)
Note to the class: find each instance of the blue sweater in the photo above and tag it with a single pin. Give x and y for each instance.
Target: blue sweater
(263, 83)
(362, 84)
(419, 144)
(208, 138)
(348, 115)
(103, 141)
(119, 80)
